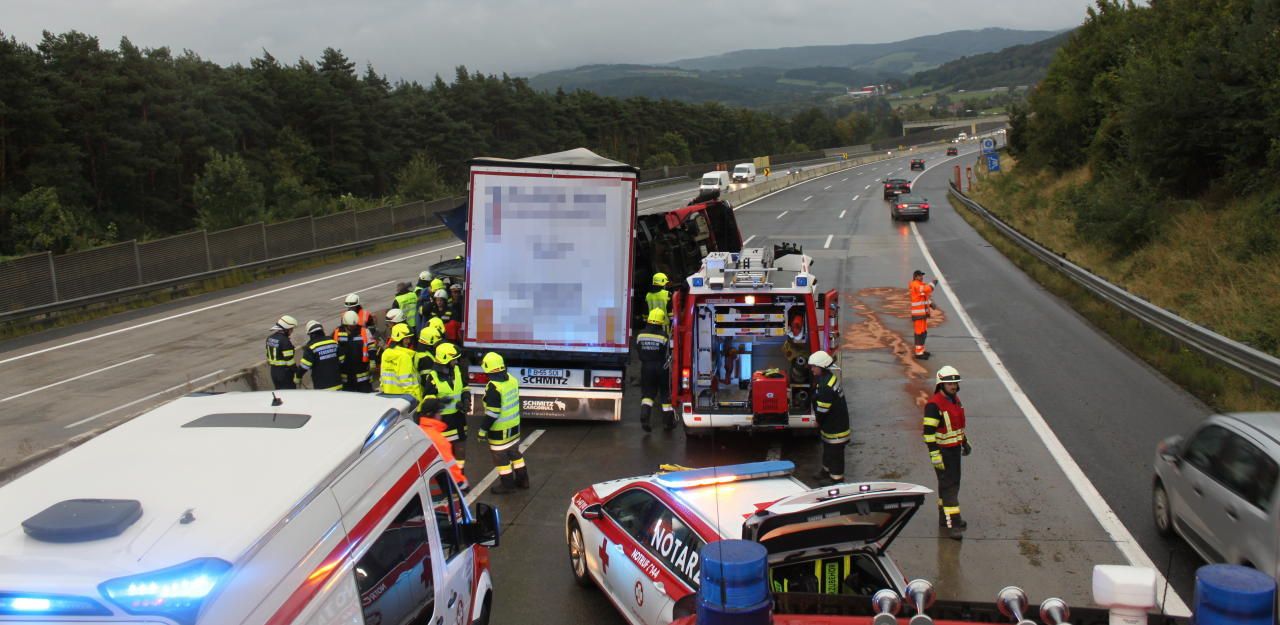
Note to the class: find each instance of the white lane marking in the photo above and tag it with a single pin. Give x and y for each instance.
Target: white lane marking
(866, 187)
(78, 377)
(659, 197)
(842, 214)
(844, 179)
(229, 302)
(855, 198)
(826, 188)
(874, 168)
(807, 199)
(362, 290)
(1106, 517)
(781, 214)
(748, 203)
(749, 239)
(827, 245)
(142, 399)
(492, 477)
(775, 451)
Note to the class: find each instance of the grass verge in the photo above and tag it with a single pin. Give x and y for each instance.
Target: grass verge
(1219, 386)
(235, 278)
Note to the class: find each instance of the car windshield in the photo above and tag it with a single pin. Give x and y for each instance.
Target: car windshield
(910, 199)
(712, 180)
(896, 181)
(741, 169)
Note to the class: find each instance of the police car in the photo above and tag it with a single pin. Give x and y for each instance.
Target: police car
(288, 507)
(639, 539)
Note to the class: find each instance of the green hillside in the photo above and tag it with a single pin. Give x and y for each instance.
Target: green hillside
(1011, 67)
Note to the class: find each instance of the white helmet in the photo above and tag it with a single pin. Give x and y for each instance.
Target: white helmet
(441, 293)
(395, 315)
(285, 322)
(425, 276)
(948, 374)
(352, 300)
(350, 318)
(314, 326)
(821, 359)
(456, 286)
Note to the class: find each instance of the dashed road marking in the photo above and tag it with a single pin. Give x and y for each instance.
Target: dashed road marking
(749, 239)
(142, 399)
(855, 198)
(826, 188)
(362, 290)
(781, 214)
(841, 215)
(74, 378)
(807, 199)
(827, 245)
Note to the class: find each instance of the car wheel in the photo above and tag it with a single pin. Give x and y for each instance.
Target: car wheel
(894, 215)
(1161, 511)
(485, 609)
(578, 555)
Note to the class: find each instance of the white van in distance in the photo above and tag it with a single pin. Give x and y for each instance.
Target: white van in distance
(715, 180)
(744, 172)
(307, 507)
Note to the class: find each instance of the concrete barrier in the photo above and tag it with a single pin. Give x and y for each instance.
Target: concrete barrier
(757, 191)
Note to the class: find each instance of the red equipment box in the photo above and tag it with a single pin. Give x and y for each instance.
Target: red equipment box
(769, 392)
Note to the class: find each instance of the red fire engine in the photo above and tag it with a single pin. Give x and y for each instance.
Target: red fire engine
(742, 337)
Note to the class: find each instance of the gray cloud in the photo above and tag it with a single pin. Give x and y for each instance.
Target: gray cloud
(416, 39)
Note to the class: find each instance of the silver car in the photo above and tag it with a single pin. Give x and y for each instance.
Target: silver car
(1217, 489)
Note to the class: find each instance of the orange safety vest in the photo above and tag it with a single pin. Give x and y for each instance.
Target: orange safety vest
(365, 335)
(434, 429)
(921, 298)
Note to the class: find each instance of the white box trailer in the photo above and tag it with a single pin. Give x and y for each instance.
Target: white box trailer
(548, 280)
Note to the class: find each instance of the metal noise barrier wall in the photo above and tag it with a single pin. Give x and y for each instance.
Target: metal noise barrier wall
(30, 283)
(1255, 363)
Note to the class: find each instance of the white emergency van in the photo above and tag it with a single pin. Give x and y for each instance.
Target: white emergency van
(248, 508)
(744, 172)
(715, 181)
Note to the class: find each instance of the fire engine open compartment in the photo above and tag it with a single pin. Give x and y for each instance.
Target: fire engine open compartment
(743, 337)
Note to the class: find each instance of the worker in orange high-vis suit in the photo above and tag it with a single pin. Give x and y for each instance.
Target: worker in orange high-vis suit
(944, 434)
(921, 303)
(434, 429)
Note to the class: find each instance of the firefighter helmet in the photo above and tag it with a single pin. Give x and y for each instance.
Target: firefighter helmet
(437, 323)
(285, 322)
(660, 279)
(352, 300)
(948, 374)
(493, 363)
(446, 353)
(440, 294)
(429, 336)
(394, 316)
(400, 332)
(424, 276)
(350, 318)
(821, 359)
(314, 326)
(436, 285)
(657, 316)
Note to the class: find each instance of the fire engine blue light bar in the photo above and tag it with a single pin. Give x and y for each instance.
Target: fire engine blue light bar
(727, 474)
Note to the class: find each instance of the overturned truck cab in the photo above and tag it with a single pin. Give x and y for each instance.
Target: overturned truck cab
(742, 337)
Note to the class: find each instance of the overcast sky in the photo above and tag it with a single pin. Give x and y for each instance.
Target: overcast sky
(415, 40)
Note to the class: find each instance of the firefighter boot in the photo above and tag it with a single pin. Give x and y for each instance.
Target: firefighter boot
(958, 526)
(668, 420)
(942, 518)
(644, 418)
(506, 484)
(522, 478)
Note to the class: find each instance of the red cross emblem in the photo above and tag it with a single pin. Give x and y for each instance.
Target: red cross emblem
(604, 555)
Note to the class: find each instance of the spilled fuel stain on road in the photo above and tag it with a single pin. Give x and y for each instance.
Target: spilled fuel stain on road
(873, 305)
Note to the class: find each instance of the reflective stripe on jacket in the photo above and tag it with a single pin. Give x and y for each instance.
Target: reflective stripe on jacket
(943, 421)
(921, 298)
(400, 373)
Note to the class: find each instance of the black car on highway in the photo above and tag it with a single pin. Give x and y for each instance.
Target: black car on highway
(917, 163)
(953, 151)
(910, 207)
(893, 187)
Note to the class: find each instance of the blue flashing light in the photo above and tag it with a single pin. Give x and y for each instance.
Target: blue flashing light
(29, 604)
(176, 592)
(698, 281)
(802, 281)
(726, 474)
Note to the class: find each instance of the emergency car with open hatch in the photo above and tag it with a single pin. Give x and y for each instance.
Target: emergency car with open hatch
(742, 337)
(248, 508)
(639, 539)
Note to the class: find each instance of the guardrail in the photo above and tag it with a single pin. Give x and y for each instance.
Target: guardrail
(45, 283)
(1255, 363)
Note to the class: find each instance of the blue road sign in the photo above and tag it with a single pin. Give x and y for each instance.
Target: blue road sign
(993, 161)
(988, 145)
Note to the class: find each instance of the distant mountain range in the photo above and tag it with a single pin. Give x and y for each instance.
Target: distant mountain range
(1010, 67)
(772, 78)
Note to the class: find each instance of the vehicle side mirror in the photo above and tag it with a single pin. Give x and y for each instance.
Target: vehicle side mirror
(486, 528)
(1172, 453)
(592, 512)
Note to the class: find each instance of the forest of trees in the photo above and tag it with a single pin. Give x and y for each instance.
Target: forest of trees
(1174, 101)
(100, 145)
